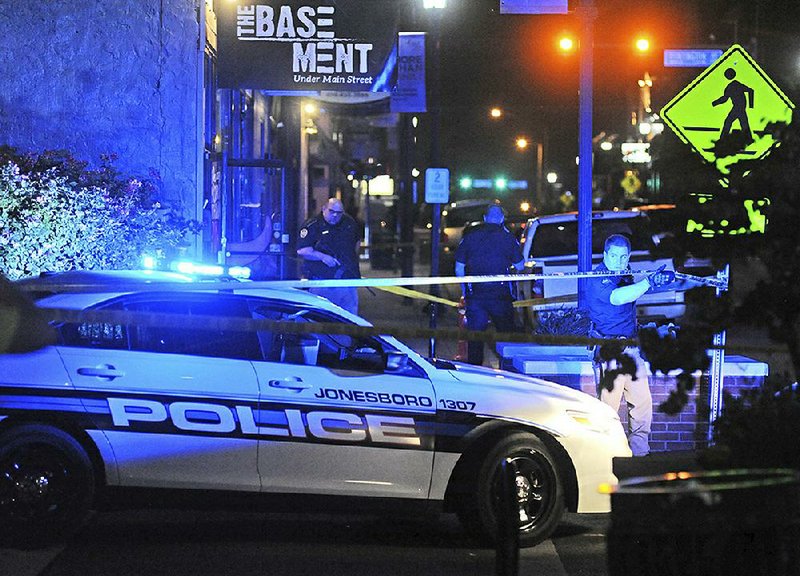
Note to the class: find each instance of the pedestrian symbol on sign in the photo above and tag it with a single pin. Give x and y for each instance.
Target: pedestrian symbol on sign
(725, 114)
(741, 98)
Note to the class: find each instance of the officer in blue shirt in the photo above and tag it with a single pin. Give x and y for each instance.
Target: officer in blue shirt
(487, 250)
(329, 244)
(612, 309)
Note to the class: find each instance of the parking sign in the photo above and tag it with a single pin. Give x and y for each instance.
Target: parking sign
(437, 185)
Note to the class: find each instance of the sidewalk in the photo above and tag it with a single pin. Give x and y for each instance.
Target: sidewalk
(381, 307)
(656, 464)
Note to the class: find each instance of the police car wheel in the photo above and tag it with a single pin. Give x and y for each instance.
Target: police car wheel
(46, 484)
(539, 490)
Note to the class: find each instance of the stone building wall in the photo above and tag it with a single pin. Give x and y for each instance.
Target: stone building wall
(99, 77)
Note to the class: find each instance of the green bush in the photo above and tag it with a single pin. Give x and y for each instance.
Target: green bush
(563, 322)
(758, 429)
(55, 215)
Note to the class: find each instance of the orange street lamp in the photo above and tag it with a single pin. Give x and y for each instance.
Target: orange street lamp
(566, 44)
(642, 44)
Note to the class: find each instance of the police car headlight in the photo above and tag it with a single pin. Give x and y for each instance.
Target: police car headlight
(594, 422)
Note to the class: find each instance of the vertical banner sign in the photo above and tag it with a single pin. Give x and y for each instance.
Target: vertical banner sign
(305, 45)
(409, 92)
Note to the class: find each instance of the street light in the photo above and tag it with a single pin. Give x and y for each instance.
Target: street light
(522, 143)
(642, 44)
(566, 44)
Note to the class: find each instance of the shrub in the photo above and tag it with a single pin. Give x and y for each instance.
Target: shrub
(563, 322)
(55, 215)
(758, 429)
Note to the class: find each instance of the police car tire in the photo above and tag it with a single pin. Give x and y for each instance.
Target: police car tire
(537, 473)
(38, 453)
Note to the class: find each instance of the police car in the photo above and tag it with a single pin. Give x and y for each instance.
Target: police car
(159, 386)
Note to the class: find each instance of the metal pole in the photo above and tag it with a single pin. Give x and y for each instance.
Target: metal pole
(304, 157)
(367, 217)
(507, 550)
(434, 162)
(588, 14)
(539, 176)
(716, 372)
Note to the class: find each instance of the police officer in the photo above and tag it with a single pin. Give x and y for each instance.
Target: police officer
(488, 249)
(612, 310)
(329, 244)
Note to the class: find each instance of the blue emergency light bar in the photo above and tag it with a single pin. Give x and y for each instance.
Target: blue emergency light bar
(189, 268)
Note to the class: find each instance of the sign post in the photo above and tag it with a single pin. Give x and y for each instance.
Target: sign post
(437, 192)
(725, 116)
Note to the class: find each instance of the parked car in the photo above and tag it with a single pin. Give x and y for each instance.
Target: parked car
(168, 394)
(551, 246)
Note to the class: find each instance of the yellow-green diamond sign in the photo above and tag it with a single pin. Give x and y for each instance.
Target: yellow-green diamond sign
(733, 97)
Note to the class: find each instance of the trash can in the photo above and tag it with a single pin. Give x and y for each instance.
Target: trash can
(731, 522)
(381, 255)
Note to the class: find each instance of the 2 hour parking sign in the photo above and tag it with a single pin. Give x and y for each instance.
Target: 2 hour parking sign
(725, 113)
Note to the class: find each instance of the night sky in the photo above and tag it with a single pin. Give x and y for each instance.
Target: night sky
(512, 61)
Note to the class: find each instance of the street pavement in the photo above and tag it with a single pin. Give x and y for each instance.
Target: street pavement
(243, 544)
(382, 307)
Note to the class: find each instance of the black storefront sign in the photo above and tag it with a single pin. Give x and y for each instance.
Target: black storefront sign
(306, 45)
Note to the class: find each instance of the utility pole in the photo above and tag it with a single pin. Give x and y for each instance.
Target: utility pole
(588, 13)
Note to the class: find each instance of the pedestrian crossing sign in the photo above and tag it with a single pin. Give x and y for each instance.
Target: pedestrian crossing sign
(735, 99)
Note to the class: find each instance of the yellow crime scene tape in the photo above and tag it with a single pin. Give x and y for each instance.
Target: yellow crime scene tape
(416, 294)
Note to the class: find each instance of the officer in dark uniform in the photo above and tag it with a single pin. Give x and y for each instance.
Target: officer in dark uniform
(329, 245)
(488, 249)
(612, 309)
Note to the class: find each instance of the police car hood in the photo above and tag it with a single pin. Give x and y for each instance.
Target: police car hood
(483, 376)
(562, 411)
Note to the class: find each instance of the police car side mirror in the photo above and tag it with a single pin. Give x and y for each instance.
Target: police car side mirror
(396, 361)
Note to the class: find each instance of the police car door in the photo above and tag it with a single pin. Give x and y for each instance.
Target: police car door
(341, 416)
(171, 401)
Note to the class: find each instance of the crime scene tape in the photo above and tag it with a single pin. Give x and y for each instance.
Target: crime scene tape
(226, 323)
(234, 324)
(539, 302)
(401, 291)
(720, 282)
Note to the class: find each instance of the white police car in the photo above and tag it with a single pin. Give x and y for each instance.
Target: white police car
(129, 402)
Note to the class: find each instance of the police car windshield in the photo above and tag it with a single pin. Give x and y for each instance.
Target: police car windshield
(561, 238)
